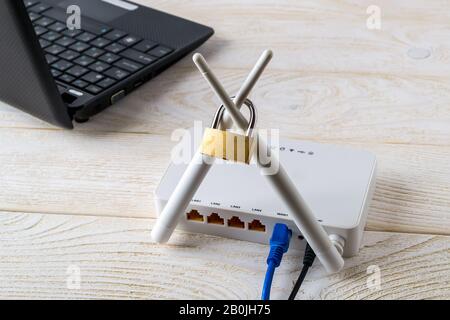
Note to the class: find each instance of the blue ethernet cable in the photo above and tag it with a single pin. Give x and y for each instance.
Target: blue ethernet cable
(279, 245)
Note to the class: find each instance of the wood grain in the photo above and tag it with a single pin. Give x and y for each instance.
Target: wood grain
(331, 78)
(117, 261)
(94, 173)
(354, 108)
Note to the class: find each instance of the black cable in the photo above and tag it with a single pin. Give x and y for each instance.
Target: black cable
(308, 261)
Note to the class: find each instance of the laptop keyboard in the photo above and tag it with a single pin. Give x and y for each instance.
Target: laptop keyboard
(92, 59)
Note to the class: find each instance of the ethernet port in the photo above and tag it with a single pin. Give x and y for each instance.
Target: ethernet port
(256, 225)
(214, 218)
(235, 222)
(194, 215)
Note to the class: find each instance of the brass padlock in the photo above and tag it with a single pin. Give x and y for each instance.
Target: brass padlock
(227, 145)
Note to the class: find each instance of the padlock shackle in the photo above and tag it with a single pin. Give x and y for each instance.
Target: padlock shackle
(219, 116)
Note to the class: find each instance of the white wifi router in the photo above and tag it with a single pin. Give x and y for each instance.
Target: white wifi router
(235, 201)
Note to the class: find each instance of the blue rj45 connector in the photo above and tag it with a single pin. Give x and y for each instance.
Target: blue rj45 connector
(279, 245)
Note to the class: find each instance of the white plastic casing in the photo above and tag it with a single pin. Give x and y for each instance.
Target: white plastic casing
(337, 183)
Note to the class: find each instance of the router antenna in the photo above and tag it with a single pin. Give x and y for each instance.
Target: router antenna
(300, 212)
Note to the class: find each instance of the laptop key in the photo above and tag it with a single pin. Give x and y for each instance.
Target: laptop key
(145, 45)
(94, 52)
(29, 3)
(84, 61)
(69, 55)
(72, 33)
(93, 89)
(95, 28)
(51, 36)
(44, 22)
(117, 73)
(39, 8)
(129, 41)
(93, 77)
(65, 41)
(115, 35)
(115, 48)
(99, 66)
(86, 37)
(58, 27)
(79, 47)
(100, 42)
(66, 78)
(54, 49)
(160, 51)
(109, 58)
(50, 58)
(34, 16)
(128, 65)
(138, 56)
(77, 71)
(80, 84)
(40, 30)
(62, 65)
(56, 73)
(44, 43)
(106, 83)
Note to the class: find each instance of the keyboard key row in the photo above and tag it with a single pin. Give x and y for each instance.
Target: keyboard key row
(85, 84)
(39, 8)
(80, 46)
(92, 59)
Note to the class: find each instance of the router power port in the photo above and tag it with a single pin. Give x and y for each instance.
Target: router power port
(214, 218)
(235, 222)
(256, 225)
(194, 215)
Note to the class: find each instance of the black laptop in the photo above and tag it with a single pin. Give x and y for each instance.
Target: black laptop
(61, 75)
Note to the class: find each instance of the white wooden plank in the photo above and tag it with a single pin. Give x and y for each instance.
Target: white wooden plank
(116, 260)
(331, 78)
(111, 174)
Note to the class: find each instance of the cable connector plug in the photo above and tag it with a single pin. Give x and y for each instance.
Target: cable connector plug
(279, 245)
(308, 260)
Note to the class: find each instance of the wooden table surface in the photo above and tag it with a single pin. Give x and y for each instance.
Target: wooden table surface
(83, 200)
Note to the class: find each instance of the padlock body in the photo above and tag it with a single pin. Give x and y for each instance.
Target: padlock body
(227, 145)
